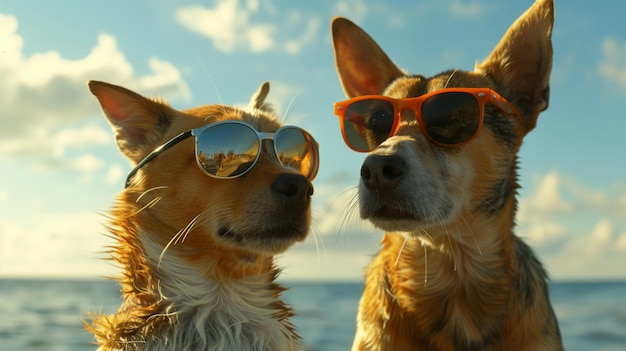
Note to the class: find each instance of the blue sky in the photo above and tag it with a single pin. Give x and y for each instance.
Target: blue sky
(61, 168)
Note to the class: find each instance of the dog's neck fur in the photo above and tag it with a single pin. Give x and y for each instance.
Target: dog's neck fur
(440, 271)
(214, 315)
(169, 305)
(456, 252)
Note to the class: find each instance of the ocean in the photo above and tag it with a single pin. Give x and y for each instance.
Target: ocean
(47, 314)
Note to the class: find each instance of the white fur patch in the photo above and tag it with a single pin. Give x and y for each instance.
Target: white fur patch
(208, 315)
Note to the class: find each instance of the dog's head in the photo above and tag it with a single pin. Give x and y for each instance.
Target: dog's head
(410, 183)
(173, 209)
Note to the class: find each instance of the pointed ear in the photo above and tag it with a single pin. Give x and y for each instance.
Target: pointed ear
(257, 101)
(363, 67)
(138, 122)
(522, 61)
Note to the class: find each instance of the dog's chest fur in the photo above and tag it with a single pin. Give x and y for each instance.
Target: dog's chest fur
(210, 315)
(193, 313)
(426, 300)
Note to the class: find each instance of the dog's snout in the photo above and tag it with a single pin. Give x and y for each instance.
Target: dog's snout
(382, 172)
(293, 187)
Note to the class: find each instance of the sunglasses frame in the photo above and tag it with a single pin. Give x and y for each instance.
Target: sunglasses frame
(196, 132)
(482, 96)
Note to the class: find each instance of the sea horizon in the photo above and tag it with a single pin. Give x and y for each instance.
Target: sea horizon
(48, 313)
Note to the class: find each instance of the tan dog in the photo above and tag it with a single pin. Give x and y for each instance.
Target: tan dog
(197, 234)
(441, 179)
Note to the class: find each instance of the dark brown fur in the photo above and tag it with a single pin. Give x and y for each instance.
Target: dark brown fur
(451, 274)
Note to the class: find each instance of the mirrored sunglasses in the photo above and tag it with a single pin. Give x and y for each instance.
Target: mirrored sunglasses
(229, 149)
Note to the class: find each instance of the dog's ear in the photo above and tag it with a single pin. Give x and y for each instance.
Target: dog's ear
(363, 67)
(522, 61)
(257, 101)
(138, 122)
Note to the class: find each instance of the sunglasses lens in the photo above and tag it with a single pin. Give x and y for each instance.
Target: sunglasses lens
(367, 123)
(451, 118)
(227, 150)
(297, 149)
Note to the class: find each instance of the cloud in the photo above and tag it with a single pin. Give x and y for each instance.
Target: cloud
(546, 200)
(54, 245)
(114, 175)
(620, 243)
(613, 64)
(466, 9)
(356, 10)
(60, 119)
(599, 254)
(86, 165)
(600, 237)
(87, 135)
(575, 229)
(401, 16)
(294, 46)
(228, 26)
(232, 27)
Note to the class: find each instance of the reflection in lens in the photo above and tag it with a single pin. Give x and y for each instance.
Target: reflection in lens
(227, 150)
(296, 149)
(368, 123)
(451, 118)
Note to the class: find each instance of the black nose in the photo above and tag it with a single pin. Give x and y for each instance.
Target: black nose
(293, 187)
(382, 172)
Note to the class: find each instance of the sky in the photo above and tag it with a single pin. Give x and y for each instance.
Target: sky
(61, 170)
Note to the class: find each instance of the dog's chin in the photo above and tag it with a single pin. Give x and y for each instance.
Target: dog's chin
(396, 220)
(401, 225)
(269, 241)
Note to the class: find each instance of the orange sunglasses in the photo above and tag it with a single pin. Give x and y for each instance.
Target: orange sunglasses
(447, 117)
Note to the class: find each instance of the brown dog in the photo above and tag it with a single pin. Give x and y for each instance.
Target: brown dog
(441, 180)
(198, 225)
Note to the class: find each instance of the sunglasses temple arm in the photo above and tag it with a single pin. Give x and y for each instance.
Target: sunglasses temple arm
(154, 154)
(504, 105)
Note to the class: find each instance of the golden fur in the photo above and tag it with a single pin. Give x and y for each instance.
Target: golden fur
(197, 253)
(451, 274)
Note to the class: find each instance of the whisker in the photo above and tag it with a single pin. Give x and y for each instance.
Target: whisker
(400, 252)
(469, 229)
(425, 265)
(452, 251)
(449, 78)
(187, 229)
(319, 242)
(150, 204)
(449, 237)
(467, 223)
(208, 75)
(485, 201)
(181, 234)
(287, 109)
(150, 190)
(303, 117)
(349, 217)
(427, 234)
